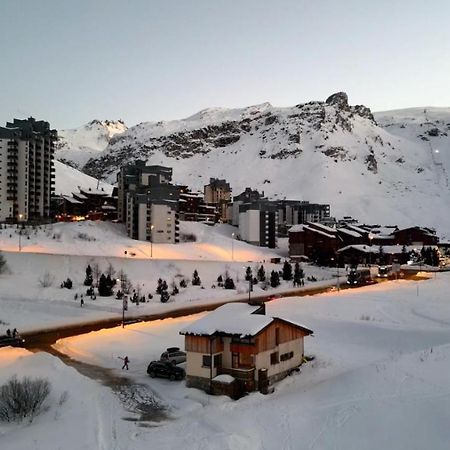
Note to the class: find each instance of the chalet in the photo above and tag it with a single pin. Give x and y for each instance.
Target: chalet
(416, 236)
(238, 346)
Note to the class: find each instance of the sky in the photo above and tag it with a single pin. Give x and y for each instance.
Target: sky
(70, 61)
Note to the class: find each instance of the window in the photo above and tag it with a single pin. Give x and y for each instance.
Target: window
(286, 356)
(206, 361)
(218, 360)
(274, 358)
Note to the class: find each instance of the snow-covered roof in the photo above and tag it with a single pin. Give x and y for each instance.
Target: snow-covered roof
(71, 199)
(322, 227)
(314, 230)
(358, 229)
(350, 232)
(296, 228)
(233, 318)
(394, 249)
(79, 195)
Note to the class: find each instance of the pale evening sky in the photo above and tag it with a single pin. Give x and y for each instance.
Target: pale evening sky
(70, 61)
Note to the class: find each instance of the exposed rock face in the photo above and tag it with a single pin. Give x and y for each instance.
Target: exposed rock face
(277, 133)
(340, 99)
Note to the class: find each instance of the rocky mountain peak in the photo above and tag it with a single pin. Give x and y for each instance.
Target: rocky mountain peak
(340, 99)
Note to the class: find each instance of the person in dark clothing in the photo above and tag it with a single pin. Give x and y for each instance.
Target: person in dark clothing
(8, 332)
(14, 333)
(81, 301)
(125, 362)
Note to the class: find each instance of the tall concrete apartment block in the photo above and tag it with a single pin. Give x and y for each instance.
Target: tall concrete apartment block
(258, 223)
(218, 193)
(148, 203)
(27, 173)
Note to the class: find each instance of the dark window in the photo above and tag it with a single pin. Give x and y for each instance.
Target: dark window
(274, 358)
(206, 361)
(218, 360)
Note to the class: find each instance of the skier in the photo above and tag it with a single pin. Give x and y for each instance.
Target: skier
(8, 332)
(81, 301)
(125, 362)
(14, 333)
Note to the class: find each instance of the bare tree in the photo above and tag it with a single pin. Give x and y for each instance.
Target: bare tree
(2, 263)
(21, 399)
(46, 280)
(110, 271)
(96, 272)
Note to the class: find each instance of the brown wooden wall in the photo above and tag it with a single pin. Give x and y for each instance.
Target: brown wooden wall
(266, 339)
(200, 344)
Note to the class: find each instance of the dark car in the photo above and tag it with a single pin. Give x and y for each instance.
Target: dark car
(165, 369)
(9, 341)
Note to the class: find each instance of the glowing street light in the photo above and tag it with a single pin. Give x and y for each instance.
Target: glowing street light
(151, 240)
(232, 246)
(20, 233)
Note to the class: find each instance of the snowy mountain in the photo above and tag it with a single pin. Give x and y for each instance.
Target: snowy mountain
(78, 145)
(328, 152)
(67, 180)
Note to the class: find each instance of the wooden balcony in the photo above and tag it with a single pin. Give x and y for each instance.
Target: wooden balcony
(243, 374)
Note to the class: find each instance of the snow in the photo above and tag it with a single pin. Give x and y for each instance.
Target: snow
(379, 380)
(224, 378)
(232, 318)
(68, 180)
(64, 250)
(350, 232)
(79, 144)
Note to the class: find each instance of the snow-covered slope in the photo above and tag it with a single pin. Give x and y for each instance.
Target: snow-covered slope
(327, 152)
(67, 180)
(76, 146)
(428, 127)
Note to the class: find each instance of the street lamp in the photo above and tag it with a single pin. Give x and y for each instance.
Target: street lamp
(232, 246)
(151, 240)
(20, 232)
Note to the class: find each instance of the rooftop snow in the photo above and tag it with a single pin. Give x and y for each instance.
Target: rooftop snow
(350, 232)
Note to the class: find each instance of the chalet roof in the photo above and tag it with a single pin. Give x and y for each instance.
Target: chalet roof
(322, 227)
(349, 232)
(234, 318)
(71, 199)
(322, 233)
(296, 228)
(393, 249)
(358, 229)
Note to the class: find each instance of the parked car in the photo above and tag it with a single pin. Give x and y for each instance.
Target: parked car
(165, 369)
(174, 355)
(9, 341)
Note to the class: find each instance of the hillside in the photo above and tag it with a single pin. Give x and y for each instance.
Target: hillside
(68, 179)
(78, 145)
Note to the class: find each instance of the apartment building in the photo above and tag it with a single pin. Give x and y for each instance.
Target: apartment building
(27, 172)
(218, 194)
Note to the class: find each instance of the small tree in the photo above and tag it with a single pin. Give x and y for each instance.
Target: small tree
(159, 286)
(110, 271)
(220, 281)
(229, 283)
(248, 274)
(68, 283)
(261, 274)
(274, 279)
(104, 290)
(88, 279)
(174, 288)
(164, 296)
(196, 279)
(183, 283)
(287, 271)
(298, 274)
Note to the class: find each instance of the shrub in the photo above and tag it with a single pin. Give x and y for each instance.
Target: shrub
(20, 399)
(188, 237)
(46, 280)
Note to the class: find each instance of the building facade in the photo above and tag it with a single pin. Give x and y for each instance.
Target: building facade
(218, 194)
(27, 173)
(258, 223)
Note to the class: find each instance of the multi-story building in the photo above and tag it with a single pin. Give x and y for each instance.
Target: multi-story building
(218, 194)
(27, 170)
(148, 203)
(249, 195)
(135, 175)
(258, 223)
